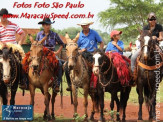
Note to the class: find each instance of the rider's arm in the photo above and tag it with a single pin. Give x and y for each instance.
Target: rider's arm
(160, 36)
(60, 42)
(102, 45)
(22, 36)
(21, 33)
(120, 46)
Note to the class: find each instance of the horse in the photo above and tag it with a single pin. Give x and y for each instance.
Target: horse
(149, 68)
(108, 81)
(10, 72)
(79, 75)
(40, 73)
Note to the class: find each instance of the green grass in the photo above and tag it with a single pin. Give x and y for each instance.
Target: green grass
(132, 99)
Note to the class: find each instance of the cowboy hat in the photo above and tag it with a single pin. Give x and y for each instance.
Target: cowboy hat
(4, 12)
(85, 22)
(46, 21)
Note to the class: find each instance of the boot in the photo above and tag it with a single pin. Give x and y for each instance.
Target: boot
(69, 88)
(57, 89)
(22, 86)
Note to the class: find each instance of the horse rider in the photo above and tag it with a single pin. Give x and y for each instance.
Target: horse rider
(7, 34)
(50, 43)
(87, 41)
(157, 34)
(115, 44)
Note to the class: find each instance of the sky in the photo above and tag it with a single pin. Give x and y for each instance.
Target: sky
(93, 6)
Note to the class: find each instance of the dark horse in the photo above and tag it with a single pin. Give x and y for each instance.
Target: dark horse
(149, 69)
(108, 82)
(10, 73)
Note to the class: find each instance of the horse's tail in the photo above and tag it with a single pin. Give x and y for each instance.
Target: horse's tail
(97, 102)
(148, 97)
(124, 96)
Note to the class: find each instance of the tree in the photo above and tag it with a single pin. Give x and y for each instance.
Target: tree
(129, 15)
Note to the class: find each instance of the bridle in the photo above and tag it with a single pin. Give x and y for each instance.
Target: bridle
(13, 70)
(105, 73)
(71, 56)
(36, 58)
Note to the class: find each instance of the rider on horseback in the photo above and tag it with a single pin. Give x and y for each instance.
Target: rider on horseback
(7, 34)
(88, 40)
(50, 43)
(115, 44)
(157, 34)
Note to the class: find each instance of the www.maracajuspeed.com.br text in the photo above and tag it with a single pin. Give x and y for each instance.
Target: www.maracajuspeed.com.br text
(51, 16)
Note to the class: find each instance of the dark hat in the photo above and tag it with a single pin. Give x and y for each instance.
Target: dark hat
(4, 12)
(46, 21)
(152, 15)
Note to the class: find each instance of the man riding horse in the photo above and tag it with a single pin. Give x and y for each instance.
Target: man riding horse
(88, 40)
(7, 34)
(50, 43)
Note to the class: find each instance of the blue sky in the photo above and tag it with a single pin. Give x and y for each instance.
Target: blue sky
(93, 6)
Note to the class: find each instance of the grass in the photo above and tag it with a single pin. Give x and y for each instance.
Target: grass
(132, 99)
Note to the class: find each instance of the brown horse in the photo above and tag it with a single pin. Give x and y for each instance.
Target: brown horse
(40, 73)
(79, 74)
(149, 72)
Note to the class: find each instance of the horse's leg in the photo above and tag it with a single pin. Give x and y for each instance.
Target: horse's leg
(47, 100)
(45, 111)
(4, 96)
(74, 91)
(85, 100)
(93, 106)
(123, 100)
(140, 97)
(13, 93)
(112, 102)
(154, 108)
(54, 94)
(101, 97)
(118, 106)
(32, 93)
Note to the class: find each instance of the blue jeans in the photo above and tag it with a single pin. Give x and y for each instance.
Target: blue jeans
(133, 59)
(59, 75)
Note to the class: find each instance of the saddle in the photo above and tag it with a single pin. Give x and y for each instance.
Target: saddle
(122, 65)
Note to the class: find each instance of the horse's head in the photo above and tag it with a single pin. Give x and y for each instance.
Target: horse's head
(99, 59)
(147, 44)
(72, 51)
(36, 52)
(5, 54)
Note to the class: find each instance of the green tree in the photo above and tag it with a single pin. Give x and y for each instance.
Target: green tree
(129, 15)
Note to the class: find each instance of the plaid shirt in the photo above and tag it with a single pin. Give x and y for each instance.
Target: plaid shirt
(51, 40)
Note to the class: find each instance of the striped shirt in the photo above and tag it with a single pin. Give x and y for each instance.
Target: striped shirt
(7, 34)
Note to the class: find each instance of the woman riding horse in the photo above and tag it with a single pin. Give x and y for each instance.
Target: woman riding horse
(157, 34)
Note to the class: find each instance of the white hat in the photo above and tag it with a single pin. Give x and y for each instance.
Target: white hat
(85, 22)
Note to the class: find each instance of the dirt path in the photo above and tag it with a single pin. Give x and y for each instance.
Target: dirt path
(67, 111)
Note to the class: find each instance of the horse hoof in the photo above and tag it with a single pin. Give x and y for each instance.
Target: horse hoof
(44, 117)
(91, 118)
(49, 117)
(53, 116)
(118, 119)
(101, 119)
(139, 120)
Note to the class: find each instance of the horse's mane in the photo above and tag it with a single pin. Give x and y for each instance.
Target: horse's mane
(15, 48)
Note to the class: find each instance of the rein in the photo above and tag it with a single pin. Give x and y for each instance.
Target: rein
(81, 78)
(111, 78)
(144, 66)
